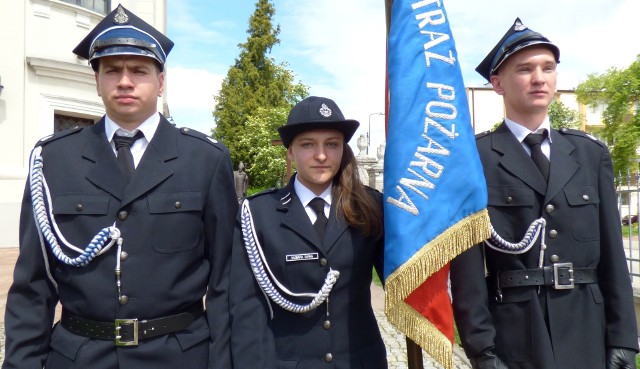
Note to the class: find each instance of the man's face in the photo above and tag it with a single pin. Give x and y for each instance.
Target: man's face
(527, 81)
(129, 87)
(317, 155)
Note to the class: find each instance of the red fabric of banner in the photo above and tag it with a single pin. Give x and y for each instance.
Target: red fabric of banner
(432, 301)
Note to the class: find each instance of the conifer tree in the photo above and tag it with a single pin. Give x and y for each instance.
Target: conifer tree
(254, 81)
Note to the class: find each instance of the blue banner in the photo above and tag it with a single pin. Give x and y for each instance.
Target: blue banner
(434, 188)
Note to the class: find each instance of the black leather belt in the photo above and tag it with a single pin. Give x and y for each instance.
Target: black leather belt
(560, 276)
(127, 332)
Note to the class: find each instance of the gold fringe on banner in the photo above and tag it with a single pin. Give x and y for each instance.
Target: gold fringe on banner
(423, 332)
(427, 261)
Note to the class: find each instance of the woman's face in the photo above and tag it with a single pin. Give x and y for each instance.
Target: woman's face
(317, 155)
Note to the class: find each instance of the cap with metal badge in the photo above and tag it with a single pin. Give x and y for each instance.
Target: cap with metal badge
(517, 38)
(316, 113)
(123, 33)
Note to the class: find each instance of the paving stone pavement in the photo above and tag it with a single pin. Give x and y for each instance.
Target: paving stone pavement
(394, 341)
(397, 349)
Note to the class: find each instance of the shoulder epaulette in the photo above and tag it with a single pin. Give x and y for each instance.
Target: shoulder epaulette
(579, 133)
(263, 192)
(58, 135)
(482, 134)
(197, 134)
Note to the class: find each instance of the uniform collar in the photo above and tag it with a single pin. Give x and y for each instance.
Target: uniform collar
(521, 131)
(148, 127)
(305, 195)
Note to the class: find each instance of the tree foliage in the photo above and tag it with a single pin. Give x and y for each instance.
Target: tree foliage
(269, 159)
(254, 81)
(619, 91)
(560, 116)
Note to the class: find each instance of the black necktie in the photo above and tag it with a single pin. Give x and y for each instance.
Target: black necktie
(534, 141)
(317, 204)
(125, 159)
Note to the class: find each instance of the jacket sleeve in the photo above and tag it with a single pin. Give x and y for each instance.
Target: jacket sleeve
(31, 300)
(222, 206)
(252, 341)
(470, 301)
(613, 274)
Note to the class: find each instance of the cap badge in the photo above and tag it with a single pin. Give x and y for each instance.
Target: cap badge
(324, 111)
(121, 17)
(518, 26)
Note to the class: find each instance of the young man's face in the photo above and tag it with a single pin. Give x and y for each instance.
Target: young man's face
(317, 155)
(527, 81)
(129, 87)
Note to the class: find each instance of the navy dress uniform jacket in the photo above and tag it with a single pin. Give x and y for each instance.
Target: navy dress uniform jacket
(583, 227)
(176, 218)
(342, 335)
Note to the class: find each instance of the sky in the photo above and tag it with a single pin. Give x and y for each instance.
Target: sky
(337, 47)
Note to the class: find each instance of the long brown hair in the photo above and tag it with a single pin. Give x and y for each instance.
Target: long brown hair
(360, 209)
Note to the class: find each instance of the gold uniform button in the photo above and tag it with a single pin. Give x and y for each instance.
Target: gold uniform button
(124, 299)
(326, 324)
(328, 357)
(79, 207)
(123, 215)
(323, 262)
(550, 208)
(178, 204)
(555, 258)
(553, 233)
(124, 256)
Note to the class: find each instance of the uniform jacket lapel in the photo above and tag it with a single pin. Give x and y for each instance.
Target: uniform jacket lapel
(515, 159)
(153, 167)
(105, 172)
(296, 217)
(335, 229)
(563, 165)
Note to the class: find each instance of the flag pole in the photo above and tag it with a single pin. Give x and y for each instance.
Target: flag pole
(414, 351)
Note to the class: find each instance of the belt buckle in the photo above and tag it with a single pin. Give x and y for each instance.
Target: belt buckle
(119, 323)
(556, 273)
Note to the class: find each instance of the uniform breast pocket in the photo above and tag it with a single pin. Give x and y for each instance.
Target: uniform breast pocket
(177, 221)
(584, 210)
(305, 269)
(508, 205)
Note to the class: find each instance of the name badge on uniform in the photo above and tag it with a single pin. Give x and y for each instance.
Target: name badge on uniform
(302, 257)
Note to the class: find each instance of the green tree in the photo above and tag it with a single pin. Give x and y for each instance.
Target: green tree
(560, 116)
(254, 81)
(618, 90)
(269, 160)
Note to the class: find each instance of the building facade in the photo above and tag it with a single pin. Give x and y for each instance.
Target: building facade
(47, 88)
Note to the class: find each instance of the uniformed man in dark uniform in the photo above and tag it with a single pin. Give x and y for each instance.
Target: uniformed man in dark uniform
(127, 224)
(557, 293)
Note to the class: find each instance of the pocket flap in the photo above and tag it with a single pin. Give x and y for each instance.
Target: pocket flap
(510, 196)
(66, 343)
(577, 196)
(197, 332)
(81, 204)
(174, 202)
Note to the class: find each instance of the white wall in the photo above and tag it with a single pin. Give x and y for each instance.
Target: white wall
(41, 76)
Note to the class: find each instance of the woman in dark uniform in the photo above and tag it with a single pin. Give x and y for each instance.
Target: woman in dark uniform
(300, 294)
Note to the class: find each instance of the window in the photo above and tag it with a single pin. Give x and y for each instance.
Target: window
(98, 6)
(62, 122)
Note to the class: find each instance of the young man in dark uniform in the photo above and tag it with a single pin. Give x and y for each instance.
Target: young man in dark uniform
(160, 202)
(563, 299)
